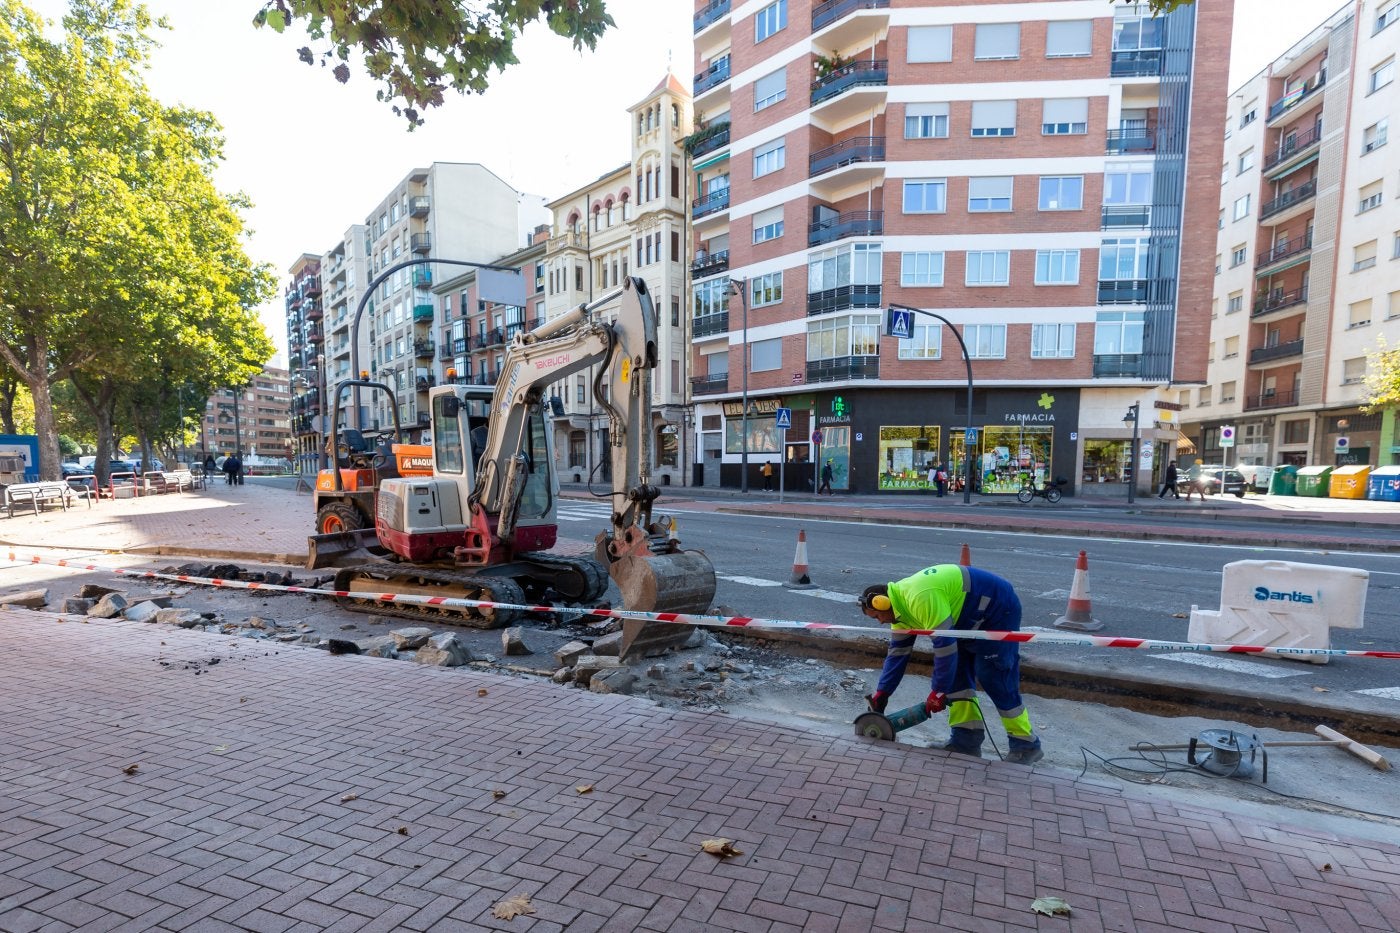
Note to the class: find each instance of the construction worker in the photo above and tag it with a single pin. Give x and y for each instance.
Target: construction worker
(957, 597)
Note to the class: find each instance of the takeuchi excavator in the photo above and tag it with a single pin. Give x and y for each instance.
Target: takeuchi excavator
(478, 524)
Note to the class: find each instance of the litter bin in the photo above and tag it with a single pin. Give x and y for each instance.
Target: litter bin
(1349, 482)
(1384, 484)
(1284, 482)
(1312, 481)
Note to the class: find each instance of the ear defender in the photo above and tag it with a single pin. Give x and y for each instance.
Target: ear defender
(879, 603)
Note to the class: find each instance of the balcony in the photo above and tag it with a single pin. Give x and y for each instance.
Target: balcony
(847, 152)
(418, 206)
(1132, 141)
(422, 314)
(445, 351)
(1288, 199)
(856, 74)
(312, 311)
(421, 243)
(824, 14)
(843, 368)
(713, 76)
(1117, 216)
(314, 335)
(311, 285)
(567, 241)
(1117, 364)
(1122, 291)
(851, 223)
(459, 346)
(423, 349)
(1293, 99)
(422, 277)
(1292, 148)
(711, 203)
(1277, 300)
(1137, 63)
(844, 298)
(1280, 351)
(1285, 249)
(491, 338)
(1270, 400)
(716, 140)
(709, 385)
(710, 264)
(708, 325)
(710, 12)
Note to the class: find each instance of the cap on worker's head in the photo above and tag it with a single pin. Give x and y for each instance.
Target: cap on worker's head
(876, 596)
(829, 460)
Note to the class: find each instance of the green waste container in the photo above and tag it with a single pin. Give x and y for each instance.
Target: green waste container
(1284, 482)
(1314, 480)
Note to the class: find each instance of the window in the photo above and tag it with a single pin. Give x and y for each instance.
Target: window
(1359, 313)
(1118, 333)
(1385, 16)
(1241, 207)
(841, 337)
(1064, 116)
(1250, 113)
(769, 89)
(1234, 303)
(997, 41)
(1052, 341)
(766, 289)
(1393, 306)
(1127, 186)
(711, 297)
(1246, 160)
(1061, 192)
(717, 364)
(1370, 197)
(988, 267)
(769, 158)
(925, 195)
(1057, 267)
(768, 225)
(858, 264)
(1069, 39)
(921, 270)
(926, 343)
(1232, 348)
(766, 355)
(930, 44)
(1382, 74)
(926, 121)
(1363, 256)
(1133, 31)
(994, 118)
(989, 194)
(1354, 371)
(1373, 137)
(1123, 259)
(1395, 249)
(1225, 173)
(769, 20)
(1238, 255)
(1227, 392)
(985, 341)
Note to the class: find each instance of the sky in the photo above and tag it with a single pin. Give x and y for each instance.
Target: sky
(315, 156)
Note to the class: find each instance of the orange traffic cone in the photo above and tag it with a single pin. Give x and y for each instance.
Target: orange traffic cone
(965, 558)
(1079, 616)
(800, 580)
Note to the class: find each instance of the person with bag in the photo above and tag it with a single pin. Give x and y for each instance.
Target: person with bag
(1169, 482)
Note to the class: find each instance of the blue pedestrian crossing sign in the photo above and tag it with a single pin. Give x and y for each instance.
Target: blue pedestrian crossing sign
(970, 436)
(899, 324)
(784, 418)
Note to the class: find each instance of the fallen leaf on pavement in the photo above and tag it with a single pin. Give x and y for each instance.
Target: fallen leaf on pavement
(584, 788)
(1178, 615)
(130, 769)
(1322, 690)
(724, 848)
(1050, 906)
(498, 793)
(1327, 866)
(403, 830)
(346, 798)
(481, 692)
(512, 907)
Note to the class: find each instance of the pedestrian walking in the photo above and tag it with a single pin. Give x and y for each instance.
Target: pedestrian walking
(1194, 487)
(237, 470)
(767, 472)
(227, 469)
(959, 598)
(210, 465)
(828, 474)
(940, 480)
(1169, 482)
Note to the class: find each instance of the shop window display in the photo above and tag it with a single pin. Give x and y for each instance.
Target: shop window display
(906, 454)
(1105, 461)
(1004, 458)
(763, 435)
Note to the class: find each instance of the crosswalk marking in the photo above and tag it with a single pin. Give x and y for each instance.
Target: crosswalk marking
(582, 513)
(747, 581)
(1233, 665)
(1385, 693)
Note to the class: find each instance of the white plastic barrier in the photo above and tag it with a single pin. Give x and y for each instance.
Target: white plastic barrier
(1282, 604)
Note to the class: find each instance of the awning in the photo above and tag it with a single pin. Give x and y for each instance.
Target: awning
(1184, 444)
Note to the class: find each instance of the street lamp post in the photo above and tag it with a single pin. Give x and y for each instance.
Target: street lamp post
(1134, 459)
(967, 361)
(741, 286)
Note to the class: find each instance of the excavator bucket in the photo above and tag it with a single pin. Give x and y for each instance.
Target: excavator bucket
(342, 548)
(683, 581)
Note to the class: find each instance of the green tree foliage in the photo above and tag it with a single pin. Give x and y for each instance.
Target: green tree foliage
(1158, 6)
(1382, 377)
(420, 49)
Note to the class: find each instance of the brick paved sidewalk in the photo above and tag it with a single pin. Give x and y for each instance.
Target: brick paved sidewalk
(237, 815)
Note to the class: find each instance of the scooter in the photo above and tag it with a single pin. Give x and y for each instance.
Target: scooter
(1050, 492)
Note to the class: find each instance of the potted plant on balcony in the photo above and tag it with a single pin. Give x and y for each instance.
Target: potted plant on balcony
(692, 142)
(825, 65)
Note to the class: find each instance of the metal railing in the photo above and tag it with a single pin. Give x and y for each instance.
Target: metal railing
(421, 242)
(847, 152)
(841, 368)
(460, 345)
(418, 206)
(711, 143)
(1122, 291)
(1292, 99)
(423, 349)
(856, 74)
(1285, 249)
(709, 385)
(1271, 400)
(1276, 352)
(842, 298)
(824, 14)
(711, 203)
(1292, 145)
(851, 223)
(1137, 63)
(1129, 141)
(710, 264)
(1277, 299)
(710, 12)
(1117, 364)
(710, 324)
(1126, 215)
(1289, 198)
(716, 74)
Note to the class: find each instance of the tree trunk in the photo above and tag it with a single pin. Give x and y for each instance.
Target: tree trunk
(9, 388)
(98, 401)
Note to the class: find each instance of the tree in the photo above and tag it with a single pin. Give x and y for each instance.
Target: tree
(1382, 377)
(419, 49)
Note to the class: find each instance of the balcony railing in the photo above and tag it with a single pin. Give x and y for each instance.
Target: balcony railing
(1294, 98)
(1136, 63)
(710, 203)
(858, 149)
(709, 385)
(418, 206)
(1126, 215)
(708, 325)
(422, 314)
(445, 351)
(843, 368)
(710, 12)
(460, 345)
(851, 223)
(1276, 352)
(491, 338)
(421, 242)
(423, 383)
(1122, 291)
(717, 140)
(715, 75)
(1293, 145)
(840, 299)
(1289, 198)
(1126, 142)
(312, 311)
(856, 74)
(423, 277)
(1277, 299)
(1117, 364)
(709, 264)
(423, 349)
(311, 285)
(1271, 400)
(824, 14)
(1285, 249)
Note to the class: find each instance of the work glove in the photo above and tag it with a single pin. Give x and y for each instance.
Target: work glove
(936, 702)
(877, 701)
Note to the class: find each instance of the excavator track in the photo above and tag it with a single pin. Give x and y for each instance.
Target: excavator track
(405, 578)
(575, 579)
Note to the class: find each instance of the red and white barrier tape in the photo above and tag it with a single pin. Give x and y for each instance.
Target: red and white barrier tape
(1058, 638)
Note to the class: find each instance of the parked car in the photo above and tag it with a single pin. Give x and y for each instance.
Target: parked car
(1218, 479)
(88, 465)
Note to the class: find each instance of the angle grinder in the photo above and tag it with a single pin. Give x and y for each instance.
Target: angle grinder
(885, 726)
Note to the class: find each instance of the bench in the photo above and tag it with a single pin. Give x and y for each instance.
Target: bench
(182, 480)
(158, 482)
(40, 493)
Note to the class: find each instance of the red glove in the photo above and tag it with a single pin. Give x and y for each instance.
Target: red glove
(936, 702)
(877, 701)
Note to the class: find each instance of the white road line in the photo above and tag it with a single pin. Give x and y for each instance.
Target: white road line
(759, 581)
(1385, 693)
(747, 581)
(1233, 665)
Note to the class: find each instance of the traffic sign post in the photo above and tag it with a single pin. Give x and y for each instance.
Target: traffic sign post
(1227, 440)
(783, 418)
(899, 323)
